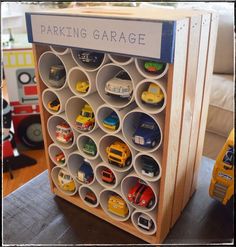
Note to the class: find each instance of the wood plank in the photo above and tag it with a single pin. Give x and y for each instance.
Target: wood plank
(205, 98)
(187, 113)
(175, 89)
(197, 107)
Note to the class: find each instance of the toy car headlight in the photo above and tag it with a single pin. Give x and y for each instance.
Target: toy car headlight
(143, 202)
(129, 196)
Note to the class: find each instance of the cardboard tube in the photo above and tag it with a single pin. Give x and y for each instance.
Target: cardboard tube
(120, 60)
(95, 188)
(118, 175)
(130, 124)
(82, 139)
(59, 50)
(105, 110)
(75, 160)
(77, 74)
(109, 71)
(54, 175)
(48, 59)
(86, 66)
(105, 142)
(139, 63)
(74, 107)
(53, 121)
(49, 95)
(143, 86)
(151, 215)
(104, 197)
(54, 149)
(129, 181)
(138, 164)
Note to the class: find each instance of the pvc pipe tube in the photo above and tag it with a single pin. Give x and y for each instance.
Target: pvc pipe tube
(105, 142)
(54, 174)
(85, 66)
(74, 107)
(95, 188)
(59, 50)
(129, 182)
(143, 86)
(75, 160)
(139, 163)
(48, 59)
(120, 59)
(82, 139)
(118, 175)
(55, 120)
(152, 215)
(78, 74)
(131, 122)
(139, 63)
(54, 150)
(50, 95)
(104, 197)
(105, 110)
(108, 72)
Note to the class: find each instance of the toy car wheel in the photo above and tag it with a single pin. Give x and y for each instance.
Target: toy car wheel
(151, 203)
(128, 162)
(30, 132)
(153, 144)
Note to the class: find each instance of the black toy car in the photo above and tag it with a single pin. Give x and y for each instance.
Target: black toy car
(90, 58)
(150, 167)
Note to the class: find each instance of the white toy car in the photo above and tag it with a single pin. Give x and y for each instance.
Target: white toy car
(145, 222)
(120, 85)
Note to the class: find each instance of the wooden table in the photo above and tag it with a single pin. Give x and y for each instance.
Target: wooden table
(33, 215)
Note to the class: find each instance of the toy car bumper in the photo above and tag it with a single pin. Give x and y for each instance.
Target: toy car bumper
(112, 127)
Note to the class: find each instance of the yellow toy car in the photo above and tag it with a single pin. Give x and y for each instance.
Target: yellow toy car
(65, 181)
(82, 86)
(153, 95)
(86, 120)
(117, 206)
(54, 105)
(222, 182)
(119, 154)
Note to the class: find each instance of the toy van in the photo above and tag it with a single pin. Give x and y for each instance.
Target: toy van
(117, 206)
(145, 222)
(119, 154)
(153, 96)
(65, 181)
(85, 121)
(85, 173)
(64, 133)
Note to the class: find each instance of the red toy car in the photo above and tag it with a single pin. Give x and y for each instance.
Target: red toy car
(141, 195)
(108, 176)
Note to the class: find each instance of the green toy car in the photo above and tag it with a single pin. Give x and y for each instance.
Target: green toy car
(154, 67)
(90, 148)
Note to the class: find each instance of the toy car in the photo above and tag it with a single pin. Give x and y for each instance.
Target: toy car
(64, 133)
(153, 95)
(82, 86)
(120, 85)
(90, 197)
(85, 121)
(57, 75)
(111, 121)
(154, 67)
(85, 173)
(147, 133)
(149, 167)
(145, 222)
(141, 195)
(108, 176)
(90, 147)
(119, 154)
(117, 206)
(90, 58)
(60, 158)
(65, 181)
(54, 105)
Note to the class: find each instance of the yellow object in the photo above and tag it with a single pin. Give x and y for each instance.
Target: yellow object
(18, 59)
(222, 182)
(82, 86)
(53, 107)
(65, 181)
(86, 119)
(154, 94)
(119, 153)
(117, 205)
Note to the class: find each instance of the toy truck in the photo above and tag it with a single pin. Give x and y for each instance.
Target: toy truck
(117, 206)
(153, 96)
(64, 133)
(85, 173)
(85, 121)
(119, 154)
(222, 182)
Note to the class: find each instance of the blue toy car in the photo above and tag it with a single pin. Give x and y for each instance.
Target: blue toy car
(85, 173)
(147, 133)
(111, 121)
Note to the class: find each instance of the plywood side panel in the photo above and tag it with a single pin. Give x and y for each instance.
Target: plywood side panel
(175, 89)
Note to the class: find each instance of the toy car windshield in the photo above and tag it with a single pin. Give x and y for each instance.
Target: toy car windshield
(228, 158)
(57, 72)
(55, 102)
(123, 75)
